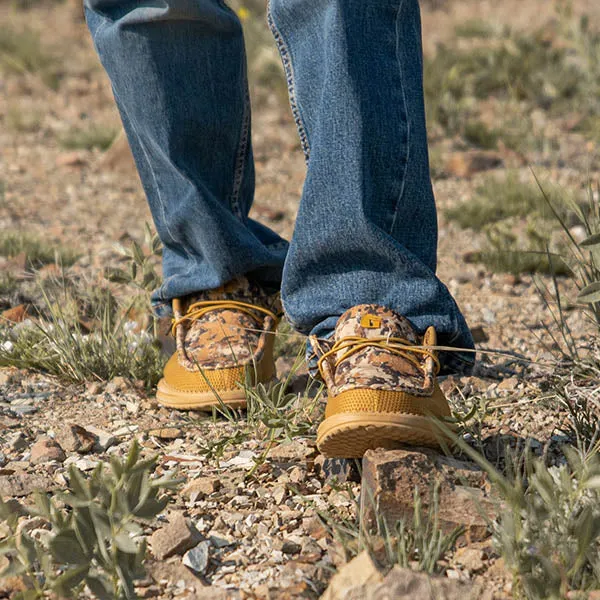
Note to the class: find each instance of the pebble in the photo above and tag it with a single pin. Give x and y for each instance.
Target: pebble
(46, 450)
(197, 558)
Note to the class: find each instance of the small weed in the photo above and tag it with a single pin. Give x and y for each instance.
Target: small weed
(548, 529)
(23, 122)
(475, 28)
(418, 543)
(38, 251)
(499, 256)
(8, 284)
(288, 342)
(555, 68)
(88, 138)
(61, 345)
(479, 134)
(22, 52)
(96, 542)
(279, 414)
(499, 199)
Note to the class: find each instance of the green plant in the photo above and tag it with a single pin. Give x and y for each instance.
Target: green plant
(275, 413)
(97, 540)
(418, 543)
(38, 252)
(504, 252)
(22, 52)
(142, 262)
(498, 199)
(23, 121)
(548, 525)
(479, 134)
(92, 136)
(554, 68)
(550, 533)
(584, 256)
(59, 344)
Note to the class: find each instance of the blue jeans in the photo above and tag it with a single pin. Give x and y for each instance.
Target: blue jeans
(366, 229)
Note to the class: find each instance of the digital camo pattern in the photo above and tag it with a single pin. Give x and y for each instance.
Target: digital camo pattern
(224, 337)
(374, 367)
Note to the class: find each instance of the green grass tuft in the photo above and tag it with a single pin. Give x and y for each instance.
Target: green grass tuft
(22, 52)
(88, 138)
(38, 251)
(499, 199)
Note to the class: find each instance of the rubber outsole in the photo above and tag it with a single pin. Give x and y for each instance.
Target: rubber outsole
(350, 435)
(173, 398)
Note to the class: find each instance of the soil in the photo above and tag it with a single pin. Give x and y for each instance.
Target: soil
(269, 544)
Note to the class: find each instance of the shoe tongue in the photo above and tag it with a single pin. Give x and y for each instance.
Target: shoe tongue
(371, 320)
(239, 290)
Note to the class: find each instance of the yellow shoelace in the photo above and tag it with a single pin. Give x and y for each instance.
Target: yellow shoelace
(352, 344)
(199, 309)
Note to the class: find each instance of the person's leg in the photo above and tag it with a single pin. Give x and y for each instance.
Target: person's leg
(178, 73)
(366, 230)
(179, 78)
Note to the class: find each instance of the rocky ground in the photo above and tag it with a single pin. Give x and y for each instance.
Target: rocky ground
(247, 520)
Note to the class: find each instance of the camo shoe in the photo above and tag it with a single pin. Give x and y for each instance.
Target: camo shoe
(224, 338)
(381, 382)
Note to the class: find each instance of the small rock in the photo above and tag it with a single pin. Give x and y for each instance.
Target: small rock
(16, 314)
(174, 538)
(290, 547)
(279, 494)
(74, 438)
(296, 450)
(104, 439)
(197, 558)
(93, 388)
(508, 385)
(23, 484)
(470, 558)
(360, 571)
(201, 487)
(46, 450)
(479, 335)
(16, 441)
(314, 527)
(466, 164)
(118, 384)
(70, 159)
(166, 433)
(126, 430)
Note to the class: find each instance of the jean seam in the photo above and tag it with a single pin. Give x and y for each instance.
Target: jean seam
(290, 81)
(408, 131)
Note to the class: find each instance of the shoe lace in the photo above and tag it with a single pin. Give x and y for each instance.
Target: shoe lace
(399, 346)
(198, 309)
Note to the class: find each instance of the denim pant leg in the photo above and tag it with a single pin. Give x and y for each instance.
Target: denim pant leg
(366, 229)
(178, 73)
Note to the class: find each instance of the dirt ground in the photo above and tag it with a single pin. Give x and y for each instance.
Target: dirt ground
(79, 199)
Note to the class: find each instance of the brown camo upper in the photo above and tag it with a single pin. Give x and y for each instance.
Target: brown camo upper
(375, 367)
(226, 338)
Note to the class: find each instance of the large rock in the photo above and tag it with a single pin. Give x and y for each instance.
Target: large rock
(361, 571)
(390, 478)
(362, 579)
(174, 538)
(23, 484)
(404, 584)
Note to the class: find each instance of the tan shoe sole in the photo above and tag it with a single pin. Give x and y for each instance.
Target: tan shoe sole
(173, 398)
(350, 435)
